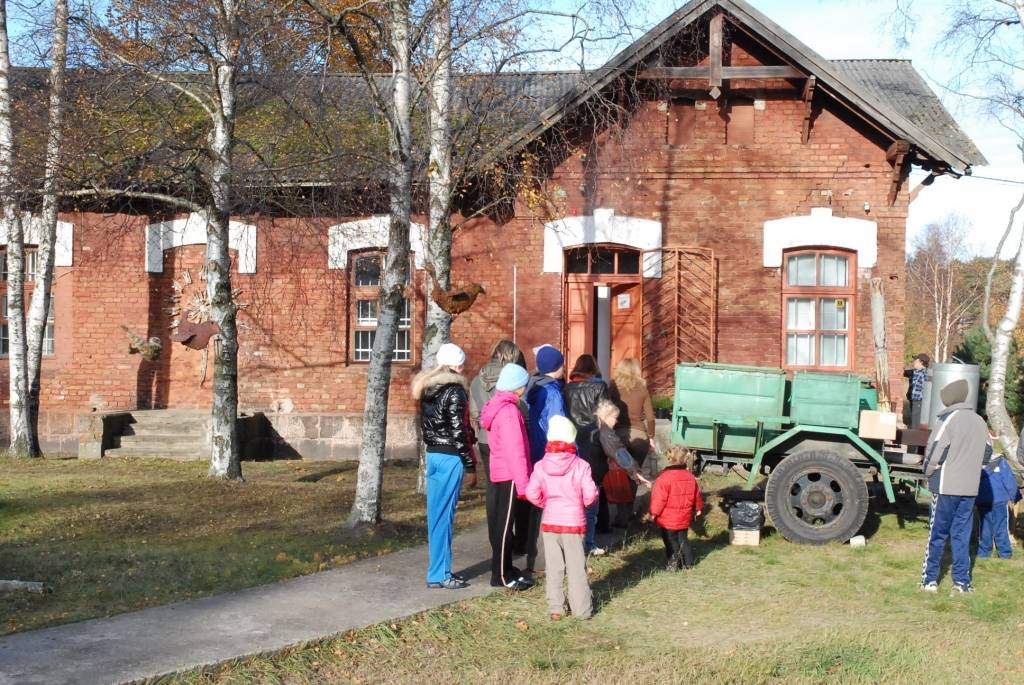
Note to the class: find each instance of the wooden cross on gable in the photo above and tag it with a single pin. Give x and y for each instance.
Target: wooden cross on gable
(715, 73)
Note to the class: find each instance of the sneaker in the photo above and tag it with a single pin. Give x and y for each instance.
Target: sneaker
(598, 551)
(449, 584)
(672, 566)
(518, 585)
(459, 577)
(961, 590)
(930, 587)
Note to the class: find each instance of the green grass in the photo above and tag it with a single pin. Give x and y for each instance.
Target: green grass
(778, 613)
(117, 535)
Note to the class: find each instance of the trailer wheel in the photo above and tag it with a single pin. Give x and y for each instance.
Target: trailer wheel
(817, 497)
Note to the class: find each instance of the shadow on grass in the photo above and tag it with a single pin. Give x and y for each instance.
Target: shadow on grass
(639, 560)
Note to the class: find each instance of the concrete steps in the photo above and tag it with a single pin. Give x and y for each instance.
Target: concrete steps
(164, 433)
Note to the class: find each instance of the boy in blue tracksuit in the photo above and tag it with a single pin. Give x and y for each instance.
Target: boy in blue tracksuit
(998, 488)
(544, 399)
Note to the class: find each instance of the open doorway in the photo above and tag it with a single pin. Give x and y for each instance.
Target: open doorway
(603, 313)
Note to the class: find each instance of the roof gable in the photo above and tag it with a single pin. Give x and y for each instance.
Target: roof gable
(871, 93)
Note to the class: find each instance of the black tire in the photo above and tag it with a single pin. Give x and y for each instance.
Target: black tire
(817, 497)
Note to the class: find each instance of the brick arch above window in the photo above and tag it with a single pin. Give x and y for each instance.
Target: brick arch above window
(820, 228)
(602, 227)
(191, 230)
(365, 234)
(63, 249)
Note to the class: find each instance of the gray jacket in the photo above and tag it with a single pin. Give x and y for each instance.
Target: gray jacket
(481, 390)
(958, 449)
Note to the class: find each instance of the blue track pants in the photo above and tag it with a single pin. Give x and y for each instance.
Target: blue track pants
(951, 518)
(995, 523)
(444, 481)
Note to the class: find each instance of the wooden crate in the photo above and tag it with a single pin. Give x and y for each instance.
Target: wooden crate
(745, 537)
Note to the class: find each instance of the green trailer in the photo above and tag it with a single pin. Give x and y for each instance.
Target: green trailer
(800, 432)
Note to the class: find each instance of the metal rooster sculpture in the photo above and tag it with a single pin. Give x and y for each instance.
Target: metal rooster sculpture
(149, 349)
(456, 300)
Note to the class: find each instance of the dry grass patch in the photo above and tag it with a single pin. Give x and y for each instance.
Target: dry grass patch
(116, 535)
(778, 613)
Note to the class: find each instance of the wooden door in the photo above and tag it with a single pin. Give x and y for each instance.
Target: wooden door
(579, 321)
(627, 322)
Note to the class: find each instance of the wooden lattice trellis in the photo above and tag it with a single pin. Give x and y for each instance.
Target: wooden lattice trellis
(680, 313)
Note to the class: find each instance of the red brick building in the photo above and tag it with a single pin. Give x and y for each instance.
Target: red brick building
(733, 205)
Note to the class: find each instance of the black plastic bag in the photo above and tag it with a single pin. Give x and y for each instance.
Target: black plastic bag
(746, 516)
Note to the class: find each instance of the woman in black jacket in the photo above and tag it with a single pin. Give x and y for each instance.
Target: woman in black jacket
(444, 420)
(584, 392)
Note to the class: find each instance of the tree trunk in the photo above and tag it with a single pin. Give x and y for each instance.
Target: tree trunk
(224, 453)
(437, 326)
(881, 346)
(986, 312)
(40, 305)
(20, 444)
(366, 509)
(995, 405)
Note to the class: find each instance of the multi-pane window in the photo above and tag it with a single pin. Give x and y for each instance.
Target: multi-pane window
(48, 342)
(367, 270)
(818, 310)
(31, 272)
(599, 259)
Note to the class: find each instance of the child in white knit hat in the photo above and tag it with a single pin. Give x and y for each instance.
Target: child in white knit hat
(562, 486)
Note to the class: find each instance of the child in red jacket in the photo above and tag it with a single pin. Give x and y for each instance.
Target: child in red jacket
(675, 502)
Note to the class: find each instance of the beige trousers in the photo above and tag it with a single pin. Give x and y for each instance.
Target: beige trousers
(563, 556)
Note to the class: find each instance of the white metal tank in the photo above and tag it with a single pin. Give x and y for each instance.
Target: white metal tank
(942, 375)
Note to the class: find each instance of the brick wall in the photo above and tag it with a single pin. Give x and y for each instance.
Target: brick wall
(293, 332)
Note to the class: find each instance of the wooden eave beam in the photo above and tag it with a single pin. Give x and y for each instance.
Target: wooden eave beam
(671, 73)
(808, 98)
(897, 155)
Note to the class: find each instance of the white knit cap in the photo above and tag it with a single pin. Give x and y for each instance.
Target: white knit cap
(450, 355)
(561, 429)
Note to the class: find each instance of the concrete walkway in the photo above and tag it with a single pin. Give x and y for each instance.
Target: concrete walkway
(200, 632)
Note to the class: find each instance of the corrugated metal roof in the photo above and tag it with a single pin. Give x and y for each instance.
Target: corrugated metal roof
(897, 82)
(894, 98)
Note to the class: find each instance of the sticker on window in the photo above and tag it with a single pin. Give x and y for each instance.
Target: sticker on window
(622, 301)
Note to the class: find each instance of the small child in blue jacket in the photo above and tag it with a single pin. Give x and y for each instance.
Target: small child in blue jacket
(997, 489)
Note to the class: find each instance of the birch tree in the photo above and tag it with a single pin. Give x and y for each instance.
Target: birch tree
(20, 441)
(395, 105)
(437, 327)
(935, 273)
(40, 303)
(199, 50)
(987, 39)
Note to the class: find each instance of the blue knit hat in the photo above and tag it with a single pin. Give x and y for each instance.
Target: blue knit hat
(549, 359)
(512, 377)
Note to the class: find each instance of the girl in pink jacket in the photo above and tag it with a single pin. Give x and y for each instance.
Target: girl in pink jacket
(562, 486)
(508, 471)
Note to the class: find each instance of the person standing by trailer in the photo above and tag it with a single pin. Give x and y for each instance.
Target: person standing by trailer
(483, 387)
(583, 393)
(917, 374)
(957, 450)
(997, 490)
(508, 473)
(444, 412)
(675, 503)
(636, 410)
